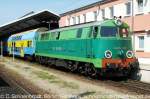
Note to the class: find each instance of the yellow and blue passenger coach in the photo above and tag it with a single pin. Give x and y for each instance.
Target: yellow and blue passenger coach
(23, 44)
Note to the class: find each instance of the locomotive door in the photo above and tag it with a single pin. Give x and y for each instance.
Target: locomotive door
(92, 36)
(89, 44)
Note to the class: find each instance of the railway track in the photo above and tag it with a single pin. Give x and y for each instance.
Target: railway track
(136, 87)
(12, 89)
(132, 86)
(139, 87)
(9, 88)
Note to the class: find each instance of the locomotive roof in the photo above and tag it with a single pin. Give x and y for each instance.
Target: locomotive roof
(80, 26)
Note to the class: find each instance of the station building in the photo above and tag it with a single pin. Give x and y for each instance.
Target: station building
(135, 12)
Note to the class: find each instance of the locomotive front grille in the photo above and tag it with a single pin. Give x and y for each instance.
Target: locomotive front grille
(117, 63)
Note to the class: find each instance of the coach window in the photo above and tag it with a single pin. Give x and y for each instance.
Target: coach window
(29, 43)
(79, 33)
(13, 44)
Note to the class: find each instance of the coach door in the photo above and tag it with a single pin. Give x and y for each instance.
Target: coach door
(12, 48)
(21, 51)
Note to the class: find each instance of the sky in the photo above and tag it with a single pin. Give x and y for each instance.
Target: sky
(13, 9)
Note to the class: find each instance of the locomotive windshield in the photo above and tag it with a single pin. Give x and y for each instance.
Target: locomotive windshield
(108, 31)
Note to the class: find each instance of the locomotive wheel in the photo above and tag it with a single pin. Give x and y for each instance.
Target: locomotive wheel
(91, 70)
(82, 69)
(46, 61)
(72, 66)
(49, 63)
(37, 59)
(42, 60)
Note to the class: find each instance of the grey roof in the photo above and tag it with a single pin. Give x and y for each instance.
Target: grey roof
(86, 7)
(31, 21)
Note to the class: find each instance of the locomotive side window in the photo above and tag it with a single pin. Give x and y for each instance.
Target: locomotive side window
(68, 34)
(90, 32)
(57, 38)
(53, 35)
(108, 31)
(79, 33)
(44, 36)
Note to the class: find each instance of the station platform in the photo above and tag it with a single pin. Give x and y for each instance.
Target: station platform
(144, 61)
(145, 73)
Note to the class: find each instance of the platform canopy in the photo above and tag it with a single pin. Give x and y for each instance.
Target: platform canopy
(30, 21)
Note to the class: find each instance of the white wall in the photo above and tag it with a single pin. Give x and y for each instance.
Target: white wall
(81, 18)
(146, 42)
(71, 21)
(99, 17)
(89, 16)
(119, 10)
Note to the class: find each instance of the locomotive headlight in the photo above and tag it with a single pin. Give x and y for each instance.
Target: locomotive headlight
(129, 54)
(108, 54)
(118, 22)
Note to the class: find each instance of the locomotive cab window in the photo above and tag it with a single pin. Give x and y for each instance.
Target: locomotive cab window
(95, 31)
(124, 32)
(79, 33)
(108, 31)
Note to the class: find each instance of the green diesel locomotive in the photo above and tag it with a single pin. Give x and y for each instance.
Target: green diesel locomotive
(95, 48)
